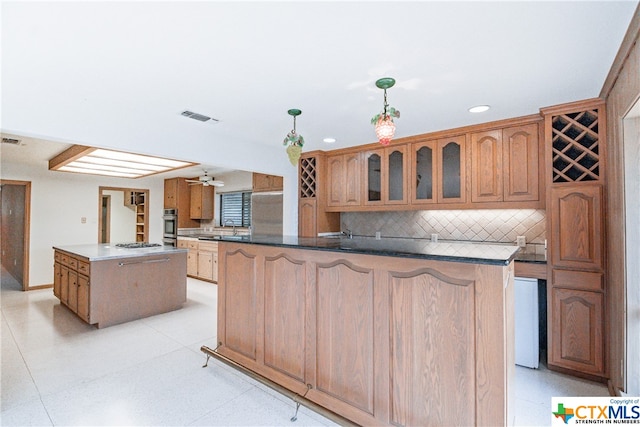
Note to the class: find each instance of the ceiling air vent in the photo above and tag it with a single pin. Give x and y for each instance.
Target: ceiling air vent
(199, 117)
(13, 141)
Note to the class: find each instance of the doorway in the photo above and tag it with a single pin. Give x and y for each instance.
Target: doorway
(15, 206)
(123, 215)
(631, 136)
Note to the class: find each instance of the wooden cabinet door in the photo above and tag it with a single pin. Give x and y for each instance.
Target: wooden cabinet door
(345, 323)
(576, 330)
(170, 193)
(263, 182)
(285, 310)
(64, 284)
(352, 174)
(214, 272)
(192, 263)
(372, 172)
(343, 180)
(335, 180)
(576, 226)
(452, 172)
(395, 174)
(486, 166)
(56, 279)
(423, 173)
(205, 265)
(520, 162)
(83, 297)
(307, 217)
(201, 206)
(72, 299)
(238, 304)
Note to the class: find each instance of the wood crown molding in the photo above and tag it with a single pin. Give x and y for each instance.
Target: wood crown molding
(573, 106)
(629, 40)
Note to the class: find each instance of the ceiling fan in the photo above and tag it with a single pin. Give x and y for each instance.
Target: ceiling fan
(206, 180)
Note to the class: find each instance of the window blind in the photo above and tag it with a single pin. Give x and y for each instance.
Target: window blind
(235, 207)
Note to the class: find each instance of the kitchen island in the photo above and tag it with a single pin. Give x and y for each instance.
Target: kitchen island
(106, 285)
(381, 332)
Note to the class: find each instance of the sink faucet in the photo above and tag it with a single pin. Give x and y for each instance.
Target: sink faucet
(348, 233)
(235, 232)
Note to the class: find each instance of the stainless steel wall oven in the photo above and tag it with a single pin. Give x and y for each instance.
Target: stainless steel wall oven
(170, 221)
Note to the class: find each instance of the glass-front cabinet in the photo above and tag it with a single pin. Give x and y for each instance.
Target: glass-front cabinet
(451, 157)
(438, 171)
(373, 177)
(385, 174)
(423, 172)
(395, 167)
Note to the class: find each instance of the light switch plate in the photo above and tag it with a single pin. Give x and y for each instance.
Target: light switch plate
(521, 241)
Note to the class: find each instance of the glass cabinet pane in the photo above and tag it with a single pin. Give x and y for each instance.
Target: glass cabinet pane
(451, 171)
(396, 175)
(424, 173)
(373, 178)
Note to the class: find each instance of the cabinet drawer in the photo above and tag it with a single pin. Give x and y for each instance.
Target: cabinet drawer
(57, 256)
(83, 267)
(183, 243)
(584, 280)
(73, 263)
(192, 244)
(208, 246)
(64, 259)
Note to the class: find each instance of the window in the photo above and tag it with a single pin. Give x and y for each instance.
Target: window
(235, 207)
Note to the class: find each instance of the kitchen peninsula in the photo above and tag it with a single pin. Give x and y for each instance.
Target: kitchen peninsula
(381, 332)
(106, 285)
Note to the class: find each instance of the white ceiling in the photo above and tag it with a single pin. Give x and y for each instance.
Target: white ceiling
(118, 74)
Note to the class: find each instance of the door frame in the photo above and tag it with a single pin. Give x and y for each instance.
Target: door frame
(25, 232)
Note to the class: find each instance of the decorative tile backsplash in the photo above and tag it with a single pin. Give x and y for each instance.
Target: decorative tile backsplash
(481, 225)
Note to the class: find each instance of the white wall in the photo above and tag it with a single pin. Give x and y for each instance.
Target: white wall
(60, 200)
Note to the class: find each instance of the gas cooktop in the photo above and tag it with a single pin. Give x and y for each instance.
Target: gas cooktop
(137, 245)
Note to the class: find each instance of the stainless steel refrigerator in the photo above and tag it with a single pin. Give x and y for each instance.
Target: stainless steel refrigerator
(266, 213)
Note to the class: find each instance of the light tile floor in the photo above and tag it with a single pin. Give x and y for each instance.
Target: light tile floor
(57, 370)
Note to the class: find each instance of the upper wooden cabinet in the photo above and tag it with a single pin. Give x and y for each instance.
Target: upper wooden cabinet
(490, 166)
(385, 174)
(423, 172)
(505, 164)
(312, 198)
(177, 195)
(486, 166)
(396, 160)
(521, 163)
(171, 193)
(202, 201)
(262, 182)
(452, 179)
(343, 179)
(372, 171)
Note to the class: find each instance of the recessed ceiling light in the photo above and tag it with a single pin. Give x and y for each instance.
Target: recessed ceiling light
(479, 109)
(329, 140)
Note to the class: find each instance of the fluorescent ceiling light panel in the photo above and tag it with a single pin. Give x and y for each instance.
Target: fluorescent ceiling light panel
(97, 161)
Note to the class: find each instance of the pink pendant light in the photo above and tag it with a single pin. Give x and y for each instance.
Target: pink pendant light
(385, 128)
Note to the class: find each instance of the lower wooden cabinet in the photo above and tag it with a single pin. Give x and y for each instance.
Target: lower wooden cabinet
(378, 340)
(71, 283)
(202, 259)
(577, 330)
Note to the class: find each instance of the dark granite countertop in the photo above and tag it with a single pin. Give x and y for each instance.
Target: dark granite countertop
(531, 258)
(476, 253)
